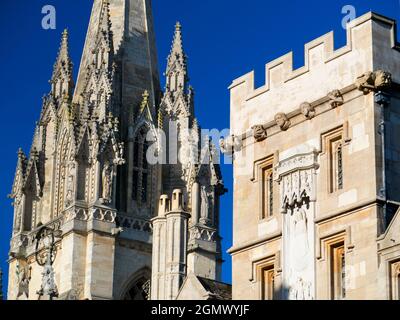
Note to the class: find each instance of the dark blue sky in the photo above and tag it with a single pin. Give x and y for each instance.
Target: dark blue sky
(223, 39)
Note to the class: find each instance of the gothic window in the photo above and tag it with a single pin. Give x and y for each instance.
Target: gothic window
(338, 271)
(140, 290)
(268, 282)
(336, 165)
(141, 170)
(267, 190)
(334, 149)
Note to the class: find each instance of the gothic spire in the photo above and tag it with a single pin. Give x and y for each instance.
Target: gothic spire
(62, 81)
(176, 72)
(104, 32)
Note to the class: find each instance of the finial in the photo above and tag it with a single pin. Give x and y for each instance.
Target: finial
(65, 34)
(178, 26)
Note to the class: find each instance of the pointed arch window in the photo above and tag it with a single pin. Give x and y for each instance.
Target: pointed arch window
(338, 271)
(140, 290)
(141, 170)
(267, 189)
(334, 145)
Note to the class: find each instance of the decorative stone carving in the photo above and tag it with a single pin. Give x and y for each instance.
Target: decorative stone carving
(107, 183)
(336, 98)
(374, 81)
(301, 290)
(202, 233)
(259, 133)
(296, 176)
(136, 224)
(307, 110)
(23, 273)
(70, 184)
(282, 121)
(147, 289)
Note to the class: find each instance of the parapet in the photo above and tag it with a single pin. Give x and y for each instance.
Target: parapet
(324, 70)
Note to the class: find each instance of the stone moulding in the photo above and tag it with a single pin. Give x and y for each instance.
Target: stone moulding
(133, 223)
(296, 162)
(22, 244)
(309, 110)
(201, 233)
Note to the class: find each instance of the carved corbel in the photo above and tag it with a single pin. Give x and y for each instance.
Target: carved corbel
(374, 81)
(307, 110)
(259, 133)
(335, 98)
(282, 121)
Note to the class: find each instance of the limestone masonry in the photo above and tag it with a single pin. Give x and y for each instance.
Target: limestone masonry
(316, 151)
(316, 156)
(92, 218)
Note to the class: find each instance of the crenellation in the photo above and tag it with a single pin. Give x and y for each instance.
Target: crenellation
(289, 86)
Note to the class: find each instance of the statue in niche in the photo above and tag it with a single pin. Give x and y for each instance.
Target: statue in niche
(205, 205)
(301, 290)
(107, 179)
(70, 185)
(299, 253)
(23, 278)
(18, 217)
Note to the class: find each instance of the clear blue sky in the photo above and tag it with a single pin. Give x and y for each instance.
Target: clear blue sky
(223, 39)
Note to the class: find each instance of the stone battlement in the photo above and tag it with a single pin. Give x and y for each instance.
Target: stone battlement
(325, 70)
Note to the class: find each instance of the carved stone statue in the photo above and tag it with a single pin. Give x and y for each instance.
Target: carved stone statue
(204, 217)
(336, 98)
(307, 110)
(301, 290)
(23, 277)
(107, 181)
(18, 217)
(371, 81)
(259, 133)
(70, 185)
(282, 121)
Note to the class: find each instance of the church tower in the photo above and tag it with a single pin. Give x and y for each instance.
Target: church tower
(186, 227)
(85, 195)
(74, 192)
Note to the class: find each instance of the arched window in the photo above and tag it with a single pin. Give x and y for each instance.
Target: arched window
(140, 290)
(336, 164)
(141, 172)
(267, 192)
